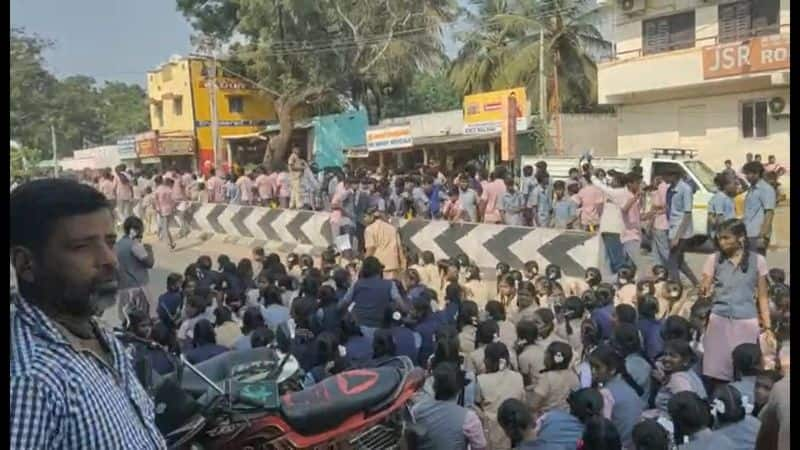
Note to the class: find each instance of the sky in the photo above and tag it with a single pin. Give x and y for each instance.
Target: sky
(111, 39)
(106, 39)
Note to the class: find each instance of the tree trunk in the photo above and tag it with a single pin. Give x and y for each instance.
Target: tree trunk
(278, 147)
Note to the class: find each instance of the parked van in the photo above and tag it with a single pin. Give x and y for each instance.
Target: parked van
(654, 163)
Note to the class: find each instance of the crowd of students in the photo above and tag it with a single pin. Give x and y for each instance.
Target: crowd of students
(535, 360)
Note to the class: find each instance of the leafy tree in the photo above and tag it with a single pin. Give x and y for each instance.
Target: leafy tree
(31, 88)
(502, 50)
(306, 52)
(427, 93)
(123, 110)
(77, 113)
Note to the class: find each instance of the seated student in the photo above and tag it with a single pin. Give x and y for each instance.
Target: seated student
(426, 324)
(357, 346)
(516, 420)
(601, 434)
(622, 403)
(498, 384)
(650, 327)
(563, 429)
(170, 303)
(488, 332)
(569, 328)
(603, 314)
(732, 413)
(691, 418)
(508, 333)
(204, 343)
(673, 301)
(624, 313)
(428, 271)
(226, 329)
(746, 367)
(650, 435)
(453, 295)
(626, 341)
(590, 340)
(383, 348)
(406, 341)
(330, 359)
(674, 373)
(531, 270)
(273, 309)
(507, 291)
(644, 288)
(476, 287)
(328, 316)
(413, 284)
(165, 337)
(626, 286)
(196, 310)
(251, 320)
(447, 351)
(527, 304)
(555, 382)
(261, 337)
(467, 326)
(447, 424)
(764, 383)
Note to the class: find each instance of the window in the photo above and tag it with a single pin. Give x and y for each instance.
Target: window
(754, 119)
(177, 105)
(166, 74)
(668, 33)
(742, 20)
(235, 104)
(159, 113)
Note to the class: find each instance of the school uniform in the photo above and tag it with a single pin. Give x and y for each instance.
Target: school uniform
(706, 439)
(720, 205)
(564, 212)
(734, 315)
(531, 360)
(686, 380)
(742, 434)
(746, 387)
(511, 205)
(640, 370)
(542, 197)
(557, 430)
(554, 387)
(476, 361)
(466, 339)
(652, 342)
(760, 198)
(493, 389)
(627, 408)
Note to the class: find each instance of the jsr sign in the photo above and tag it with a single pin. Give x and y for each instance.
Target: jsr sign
(759, 54)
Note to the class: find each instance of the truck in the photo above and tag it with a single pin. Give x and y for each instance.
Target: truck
(654, 162)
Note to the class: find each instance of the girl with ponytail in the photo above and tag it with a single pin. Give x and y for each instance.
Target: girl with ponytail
(467, 326)
(556, 380)
(692, 419)
(498, 384)
(562, 429)
(732, 416)
(618, 387)
(516, 421)
(626, 342)
(674, 372)
(569, 330)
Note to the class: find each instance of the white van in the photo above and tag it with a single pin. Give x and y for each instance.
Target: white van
(655, 162)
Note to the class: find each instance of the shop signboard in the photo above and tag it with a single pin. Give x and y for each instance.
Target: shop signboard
(147, 144)
(387, 138)
(127, 147)
(484, 113)
(173, 146)
(759, 54)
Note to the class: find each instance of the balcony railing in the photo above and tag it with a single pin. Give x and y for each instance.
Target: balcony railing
(693, 43)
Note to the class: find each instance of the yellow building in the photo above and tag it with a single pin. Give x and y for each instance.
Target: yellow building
(180, 113)
(708, 75)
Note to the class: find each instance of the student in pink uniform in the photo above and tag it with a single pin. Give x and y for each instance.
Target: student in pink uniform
(490, 198)
(165, 207)
(264, 187)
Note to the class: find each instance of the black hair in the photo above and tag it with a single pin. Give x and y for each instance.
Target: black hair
(486, 332)
(746, 360)
(604, 293)
(625, 313)
(261, 337)
(447, 380)
(776, 276)
(530, 266)
(557, 356)
(650, 435)
(163, 335)
(173, 280)
(753, 167)
(132, 223)
(648, 307)
(371, 267)
(350, 327)
(527, 334)
(303, 309)
(447, 347)
(546, 315)
(612, 359)
(559, 184)
(647, 285)
(309, 287)
(327, 296)
(383, 344)
(251, 319)
(585, 403)
(573, 309)
(683, 349)
(731, 398)
(659, 272)
(342, 278)
(222, 314)
(515, 418)
(601, 434)
(468, 314)
(453, 292)
(496, 310)
(203, 333)
(271, 295)
(593, 276)
(427, 257)
(35, 208)
(676, 327)
(473, 273)
(689, 414)
(495, 352)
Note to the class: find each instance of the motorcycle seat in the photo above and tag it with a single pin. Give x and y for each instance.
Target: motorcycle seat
(332, 401)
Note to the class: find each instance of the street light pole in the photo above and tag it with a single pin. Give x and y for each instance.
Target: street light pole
(214, 113)
(542, 83)
(55, 150)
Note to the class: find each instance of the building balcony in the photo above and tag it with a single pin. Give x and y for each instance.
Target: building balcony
(704, 69)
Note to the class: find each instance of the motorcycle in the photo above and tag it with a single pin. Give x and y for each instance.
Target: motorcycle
(223, 403)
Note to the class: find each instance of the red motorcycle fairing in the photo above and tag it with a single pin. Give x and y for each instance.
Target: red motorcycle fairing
(275, 432)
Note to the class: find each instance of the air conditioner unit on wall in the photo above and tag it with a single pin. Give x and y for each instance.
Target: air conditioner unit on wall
(630, 7)
(778, 107)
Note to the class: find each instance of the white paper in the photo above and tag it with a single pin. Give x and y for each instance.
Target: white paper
(342, 242)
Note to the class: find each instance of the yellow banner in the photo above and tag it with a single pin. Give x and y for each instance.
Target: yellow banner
(485, 112)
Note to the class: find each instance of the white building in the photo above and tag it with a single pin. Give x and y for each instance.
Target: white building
(708, 75)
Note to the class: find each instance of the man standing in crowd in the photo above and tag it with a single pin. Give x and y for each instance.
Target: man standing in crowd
(215, 187)
(590, 200)
(491, 196)
(467, 199)
(310, 187)
(660, 226)
(135, 260)
(165, 208)
(296, 168)
(72, 383)
(680, 201)
(123, 190)
(759, 207)
(627, 199)
(382, 241)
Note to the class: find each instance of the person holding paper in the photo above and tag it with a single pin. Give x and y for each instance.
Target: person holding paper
(382, 241)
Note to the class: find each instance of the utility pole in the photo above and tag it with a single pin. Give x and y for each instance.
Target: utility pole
(212, 88)
(542, 80)
(55, 150)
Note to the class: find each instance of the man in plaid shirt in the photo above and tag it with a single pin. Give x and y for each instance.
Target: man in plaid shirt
(72, 384)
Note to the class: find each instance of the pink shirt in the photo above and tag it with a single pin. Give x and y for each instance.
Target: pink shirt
(631, 221)
(165, 203)
(711, 261)
(177, 189)
(214, 187)
(590, 200)
(245, 185)
(123, 191)
(659, 198)
(264, 186)
(284, 188)
(106, 187)
(491, 194)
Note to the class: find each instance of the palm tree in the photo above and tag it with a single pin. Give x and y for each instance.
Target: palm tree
(503, 51)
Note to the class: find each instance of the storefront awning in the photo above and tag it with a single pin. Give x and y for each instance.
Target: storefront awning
(233, 137)
(429, 141)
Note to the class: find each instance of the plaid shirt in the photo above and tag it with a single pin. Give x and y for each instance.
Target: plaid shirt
(63, 398)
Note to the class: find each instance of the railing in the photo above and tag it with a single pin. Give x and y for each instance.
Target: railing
(694, 43)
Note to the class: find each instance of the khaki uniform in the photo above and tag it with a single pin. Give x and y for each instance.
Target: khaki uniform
(493, 390)
(386, 241)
